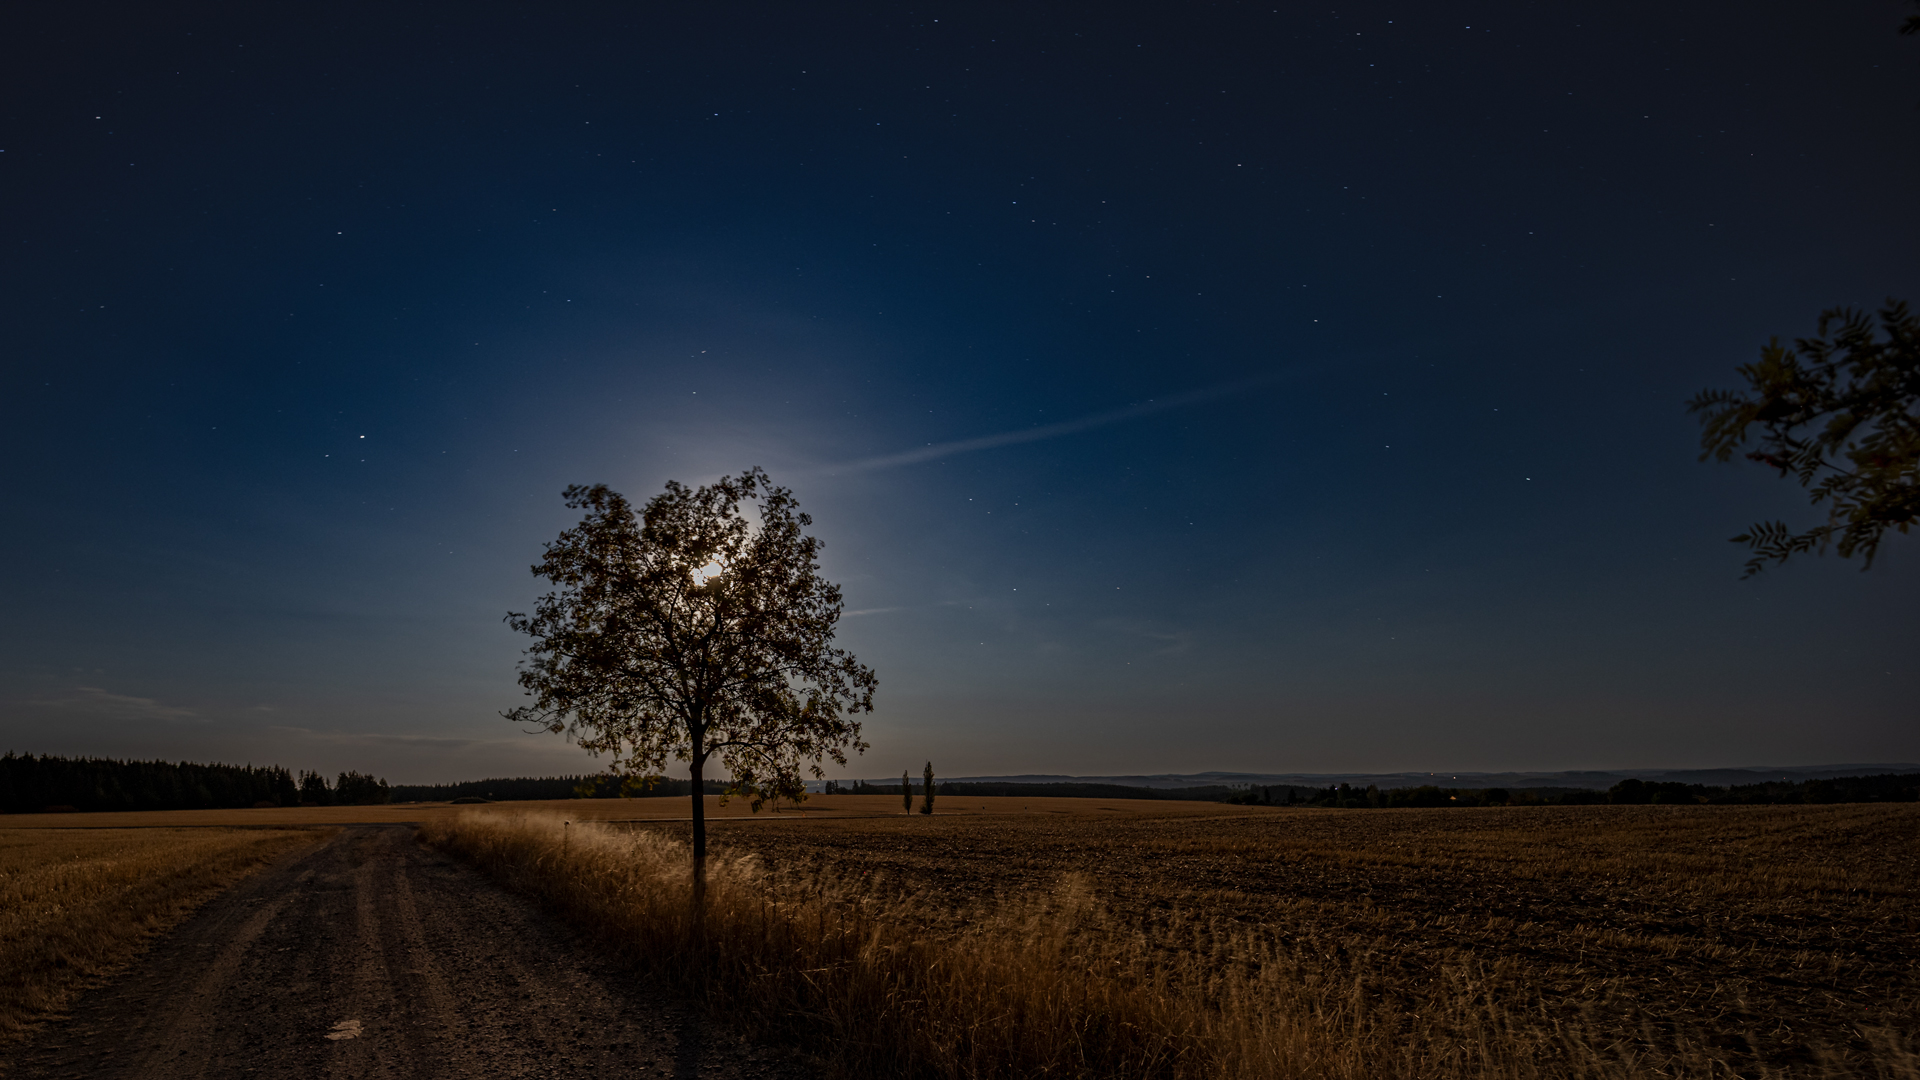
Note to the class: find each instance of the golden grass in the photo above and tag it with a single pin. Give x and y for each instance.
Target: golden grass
(78, 904)
(1575, 942)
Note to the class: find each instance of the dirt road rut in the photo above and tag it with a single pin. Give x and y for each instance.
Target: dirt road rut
(374, 957)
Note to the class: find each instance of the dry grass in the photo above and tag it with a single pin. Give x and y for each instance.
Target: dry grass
(76, 905)
(1602, 942)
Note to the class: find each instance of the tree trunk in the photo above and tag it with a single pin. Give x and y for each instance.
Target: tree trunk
(699, 835)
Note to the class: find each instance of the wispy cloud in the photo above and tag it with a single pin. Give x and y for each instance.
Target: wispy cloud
(362, 738)
(936, 451)
(869, 611)
(1171, 639)
(95, 702)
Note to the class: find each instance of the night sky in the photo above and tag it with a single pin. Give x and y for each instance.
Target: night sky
(1176, 387)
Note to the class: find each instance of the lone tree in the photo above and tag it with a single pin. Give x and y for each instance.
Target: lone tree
(926, 790)
(906, 793)
(1839, 412)
(687, 631)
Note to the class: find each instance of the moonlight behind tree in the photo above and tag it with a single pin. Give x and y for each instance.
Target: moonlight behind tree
(685, 631)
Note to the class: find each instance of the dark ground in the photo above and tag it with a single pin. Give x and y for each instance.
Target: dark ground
(440, 972)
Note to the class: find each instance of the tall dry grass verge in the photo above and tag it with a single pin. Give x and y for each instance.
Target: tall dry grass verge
(829, 968)
(878, 984)
(78, 904)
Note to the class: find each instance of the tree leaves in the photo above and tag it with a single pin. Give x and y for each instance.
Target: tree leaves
(688, 631)
(1840, 413)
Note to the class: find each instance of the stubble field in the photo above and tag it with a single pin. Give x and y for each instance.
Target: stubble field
(77, 904)
(1011, 937)
(1616, 940)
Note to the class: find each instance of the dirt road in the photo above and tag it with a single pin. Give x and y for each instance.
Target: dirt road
(374, 957)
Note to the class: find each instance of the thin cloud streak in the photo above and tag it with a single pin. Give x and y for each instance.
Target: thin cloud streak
(1048, 431)
(98, 703)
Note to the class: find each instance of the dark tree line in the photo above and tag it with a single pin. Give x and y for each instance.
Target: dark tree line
(358, 789)
(1062, 790)
(528, 788)
(1882, 788)
(1886, 787)
(30, 783)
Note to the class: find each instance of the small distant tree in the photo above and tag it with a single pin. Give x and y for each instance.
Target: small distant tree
(687, 631)
(906, 792)
(1840, 413)
(926, 790)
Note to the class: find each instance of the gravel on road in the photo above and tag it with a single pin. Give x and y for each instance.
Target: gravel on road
(373, 956)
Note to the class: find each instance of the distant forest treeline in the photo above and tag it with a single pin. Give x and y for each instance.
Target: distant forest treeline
(29, 784)
(1887, 787)
(1884, 788)
(518, 789)
(1208, 793)
(603, 786)
(1890, 787)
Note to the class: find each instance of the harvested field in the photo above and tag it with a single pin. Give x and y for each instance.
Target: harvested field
(1010, 937)
(76, 905)
(1541, 941)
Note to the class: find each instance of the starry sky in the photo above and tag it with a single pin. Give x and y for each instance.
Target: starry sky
(1175, 387)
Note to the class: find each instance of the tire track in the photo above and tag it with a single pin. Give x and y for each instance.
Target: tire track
(372, 957)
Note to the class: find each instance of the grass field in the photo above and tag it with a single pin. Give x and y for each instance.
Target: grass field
(1157, 940)
(78, 904)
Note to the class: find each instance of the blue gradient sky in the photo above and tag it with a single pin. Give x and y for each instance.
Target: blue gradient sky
(1216, 387)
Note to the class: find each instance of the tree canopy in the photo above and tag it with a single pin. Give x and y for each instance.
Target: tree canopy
(1839, 412)
(688, 631)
